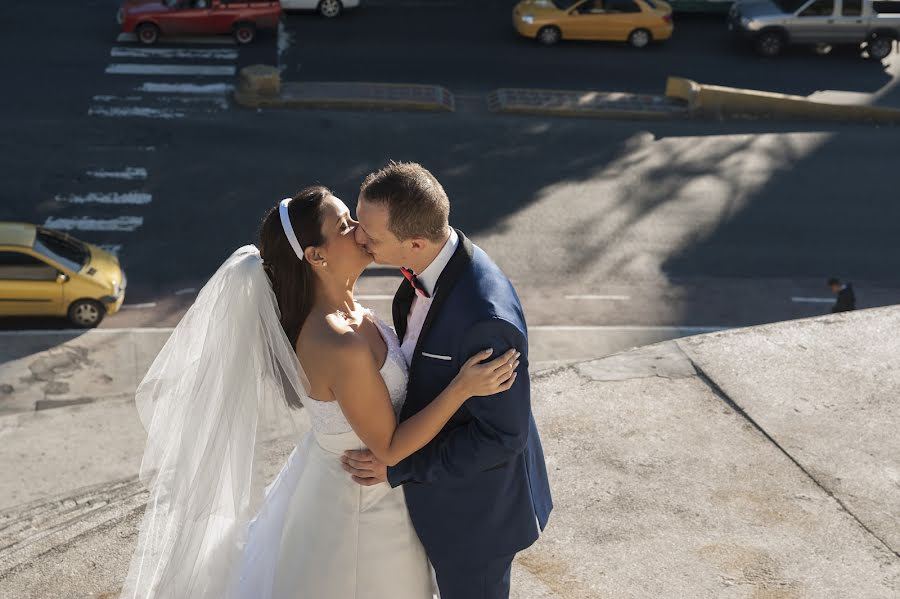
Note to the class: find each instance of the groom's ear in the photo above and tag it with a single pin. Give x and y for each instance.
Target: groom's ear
(416, 243)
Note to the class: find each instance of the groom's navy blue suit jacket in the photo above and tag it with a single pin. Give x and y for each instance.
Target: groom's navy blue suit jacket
(479, 490)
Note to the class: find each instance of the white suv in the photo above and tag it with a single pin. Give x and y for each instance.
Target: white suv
(772, 25)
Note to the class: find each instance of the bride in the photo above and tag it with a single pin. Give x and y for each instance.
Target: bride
(273, 329)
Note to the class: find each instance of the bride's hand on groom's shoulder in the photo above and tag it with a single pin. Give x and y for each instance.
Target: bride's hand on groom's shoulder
(478, 378)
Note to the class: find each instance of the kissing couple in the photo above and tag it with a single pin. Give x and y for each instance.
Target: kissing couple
(423, 472)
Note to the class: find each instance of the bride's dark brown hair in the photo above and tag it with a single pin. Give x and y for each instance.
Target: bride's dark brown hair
(292, 278)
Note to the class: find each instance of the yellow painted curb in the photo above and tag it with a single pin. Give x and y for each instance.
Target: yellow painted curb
(718, 101)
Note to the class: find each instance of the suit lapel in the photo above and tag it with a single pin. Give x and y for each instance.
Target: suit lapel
(400, 308)
(458, 263)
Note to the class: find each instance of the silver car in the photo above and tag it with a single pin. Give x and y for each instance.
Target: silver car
(773, 24)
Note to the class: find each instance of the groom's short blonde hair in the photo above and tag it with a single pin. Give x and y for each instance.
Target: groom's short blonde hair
(417, 204)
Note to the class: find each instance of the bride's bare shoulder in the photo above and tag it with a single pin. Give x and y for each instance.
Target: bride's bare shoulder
(330, 338)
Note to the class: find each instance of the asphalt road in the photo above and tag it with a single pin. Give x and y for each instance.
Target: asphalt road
(600, 224)
(470, 46)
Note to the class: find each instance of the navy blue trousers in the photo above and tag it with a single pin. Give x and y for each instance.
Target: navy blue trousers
(489, 580)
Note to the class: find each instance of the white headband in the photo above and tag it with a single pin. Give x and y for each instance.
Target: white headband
(288, 229)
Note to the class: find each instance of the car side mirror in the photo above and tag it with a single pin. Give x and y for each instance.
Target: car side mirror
(62, 277)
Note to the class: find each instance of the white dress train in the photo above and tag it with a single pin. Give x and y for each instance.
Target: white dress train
(319, 535)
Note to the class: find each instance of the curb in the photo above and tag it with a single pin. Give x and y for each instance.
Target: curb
(585, 104)
(260, 87)
(717, 102)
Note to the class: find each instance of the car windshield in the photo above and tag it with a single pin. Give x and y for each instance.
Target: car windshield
(650, 3)
(62, 248)
(789, 6)
(565, 4)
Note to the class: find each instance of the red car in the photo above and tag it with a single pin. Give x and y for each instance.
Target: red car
(150, 19)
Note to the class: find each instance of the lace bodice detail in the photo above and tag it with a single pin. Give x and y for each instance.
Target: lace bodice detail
(326, 416)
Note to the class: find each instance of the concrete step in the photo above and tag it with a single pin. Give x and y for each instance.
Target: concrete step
(33, 529)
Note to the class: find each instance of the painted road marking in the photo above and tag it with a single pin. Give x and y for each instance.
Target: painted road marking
(186, 291)
(185, 88)
(114, 249)
(174, 53)
(613, 298)
(122, 223)
(201, 70)
(813, 300)
(130, 173)
(630, 328)
(135, 111)
(137, 198)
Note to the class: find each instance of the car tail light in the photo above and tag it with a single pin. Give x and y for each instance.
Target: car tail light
(667, 18)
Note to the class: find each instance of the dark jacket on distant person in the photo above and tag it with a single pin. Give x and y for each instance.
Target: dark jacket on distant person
(846, 300)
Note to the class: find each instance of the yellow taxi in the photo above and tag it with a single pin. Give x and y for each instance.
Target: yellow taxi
(48, 273)
(637, 22)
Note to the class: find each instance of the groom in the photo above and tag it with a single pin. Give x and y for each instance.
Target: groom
(478, 493)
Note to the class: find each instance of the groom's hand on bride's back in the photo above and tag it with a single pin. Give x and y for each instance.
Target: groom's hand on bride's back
(364, 467)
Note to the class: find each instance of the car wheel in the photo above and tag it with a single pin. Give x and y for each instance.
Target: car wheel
(330, 8)
(879, 47)
(549, 35)
(86, 314)
(244, 33)
(147, 33)
(640, 38)
(770, 43)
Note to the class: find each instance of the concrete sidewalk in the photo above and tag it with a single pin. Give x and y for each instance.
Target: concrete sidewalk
(760, 462)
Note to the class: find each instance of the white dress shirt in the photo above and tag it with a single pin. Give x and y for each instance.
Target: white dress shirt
(420, 306)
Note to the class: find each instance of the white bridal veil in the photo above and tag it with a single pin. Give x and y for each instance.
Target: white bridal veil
(214, 394)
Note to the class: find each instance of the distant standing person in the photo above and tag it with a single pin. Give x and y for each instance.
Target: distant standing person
(846, 299)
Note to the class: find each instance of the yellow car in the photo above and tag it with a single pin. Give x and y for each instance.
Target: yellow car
(638, 22)
(48, 273)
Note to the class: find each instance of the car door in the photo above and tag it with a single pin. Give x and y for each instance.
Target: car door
(189, 17)
(222, 14)
(29, 286)
(849, 25)
(584, 21)
(621, 18)
(814, 23)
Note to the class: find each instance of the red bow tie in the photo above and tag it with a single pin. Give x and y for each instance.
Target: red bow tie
(414, 281)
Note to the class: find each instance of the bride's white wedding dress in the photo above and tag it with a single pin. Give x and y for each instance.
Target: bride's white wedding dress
(213, 399)
(319, 535)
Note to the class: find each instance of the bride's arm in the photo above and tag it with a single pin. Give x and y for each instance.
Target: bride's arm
(365, 401)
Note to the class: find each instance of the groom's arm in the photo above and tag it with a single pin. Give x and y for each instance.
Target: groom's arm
(499, 427)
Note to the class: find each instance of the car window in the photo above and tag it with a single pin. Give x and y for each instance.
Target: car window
(622, 6)
(564, 4)
(62, 248)
(819, 8)
(650, 3)
(851, 8)
(887, 7)
(790, 6)
(590, 7)
(16, 266)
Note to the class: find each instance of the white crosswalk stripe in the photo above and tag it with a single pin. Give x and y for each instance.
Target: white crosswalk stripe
(85, 223)
(134, 198)
(165, 82)
(199, 70)
(173, 53)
